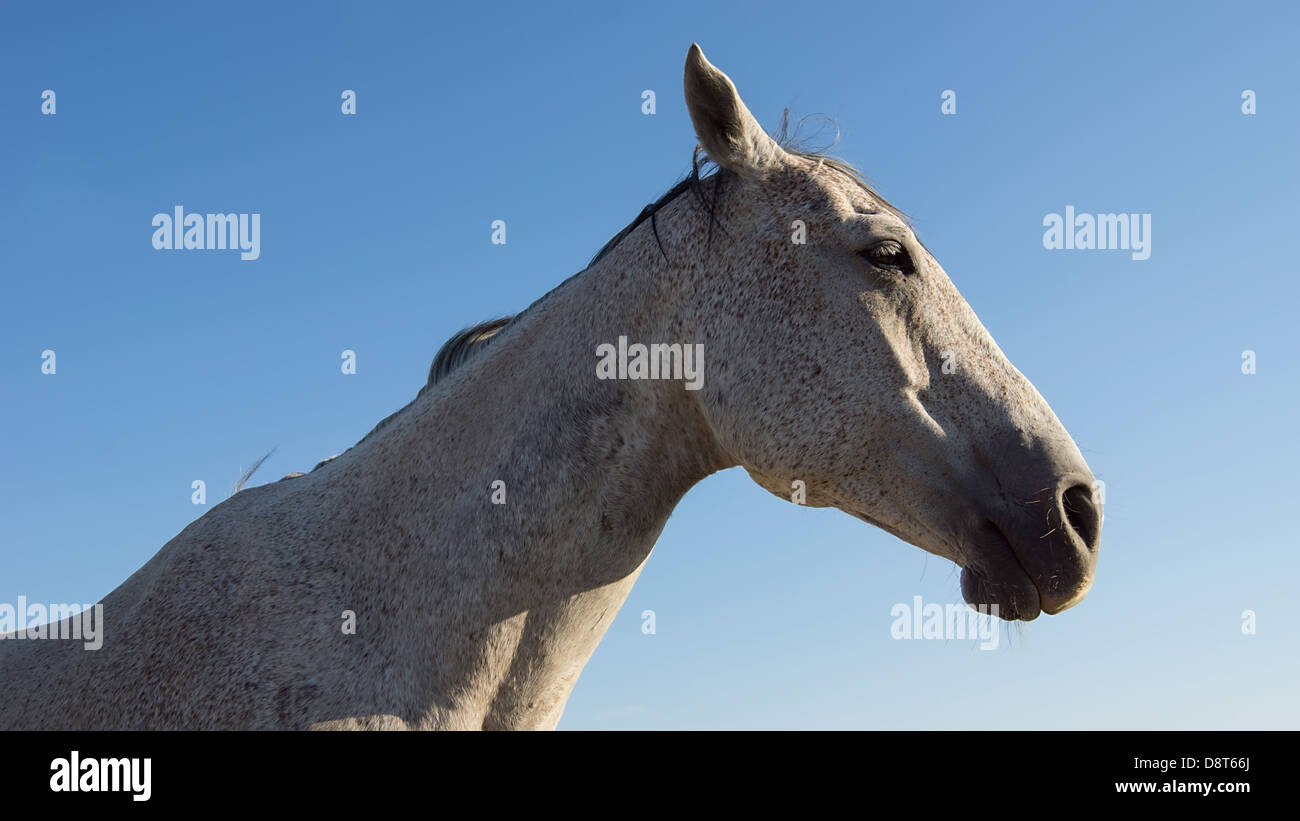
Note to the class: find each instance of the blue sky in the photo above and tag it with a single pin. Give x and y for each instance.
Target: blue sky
(375, 237)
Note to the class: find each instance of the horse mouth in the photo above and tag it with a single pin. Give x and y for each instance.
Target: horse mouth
(994, 581)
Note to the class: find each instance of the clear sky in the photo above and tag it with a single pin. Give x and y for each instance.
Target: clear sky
(375, 237)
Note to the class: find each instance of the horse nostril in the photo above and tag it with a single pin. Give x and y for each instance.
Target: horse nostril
(1082, 514)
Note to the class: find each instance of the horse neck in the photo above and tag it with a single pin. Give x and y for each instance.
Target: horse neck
(529, 411)
(591, 470)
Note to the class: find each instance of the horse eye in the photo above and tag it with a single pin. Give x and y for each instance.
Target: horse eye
(889, 254)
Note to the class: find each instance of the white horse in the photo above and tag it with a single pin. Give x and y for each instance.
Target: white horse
(484, 536)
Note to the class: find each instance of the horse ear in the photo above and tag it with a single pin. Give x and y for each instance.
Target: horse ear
(728, 132)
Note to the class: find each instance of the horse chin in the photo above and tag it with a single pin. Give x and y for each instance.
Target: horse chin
(996, 582)
(1010, 598)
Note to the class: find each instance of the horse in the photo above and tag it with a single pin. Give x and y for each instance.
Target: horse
(480, 540)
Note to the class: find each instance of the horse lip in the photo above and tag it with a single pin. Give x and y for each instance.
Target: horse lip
(1047, 602)
(1079, 596)
(1003, 572)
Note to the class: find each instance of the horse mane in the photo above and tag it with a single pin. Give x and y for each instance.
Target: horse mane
(463, 345)
(705, 181)
(466, 343)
